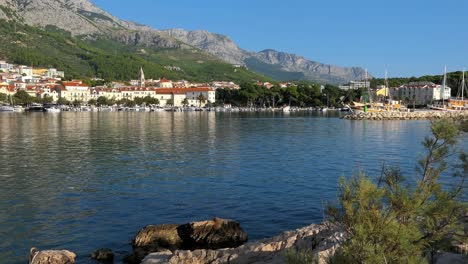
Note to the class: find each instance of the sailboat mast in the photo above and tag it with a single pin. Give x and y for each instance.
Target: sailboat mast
(387, 89)
(368, 87)
(463, 83)
(443, 84)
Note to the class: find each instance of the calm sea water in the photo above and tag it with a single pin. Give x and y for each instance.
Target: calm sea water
(82, 181)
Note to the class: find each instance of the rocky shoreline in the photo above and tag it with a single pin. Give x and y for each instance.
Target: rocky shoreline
(220, 241)
(320, 240)
(417, 115)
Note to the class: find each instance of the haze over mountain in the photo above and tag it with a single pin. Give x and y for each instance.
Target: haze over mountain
(83, 19)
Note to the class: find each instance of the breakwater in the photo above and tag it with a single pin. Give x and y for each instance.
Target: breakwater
(418, 115)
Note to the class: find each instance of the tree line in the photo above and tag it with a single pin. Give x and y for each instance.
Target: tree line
(300, 94)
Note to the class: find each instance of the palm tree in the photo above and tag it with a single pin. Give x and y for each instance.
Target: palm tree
(185, 102)
(201, 99)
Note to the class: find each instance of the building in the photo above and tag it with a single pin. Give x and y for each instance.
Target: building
(354, 85)
(421, 93)
(164, 83)
(5, 67)
(26, 71)
(53, 73)
(176, 96)
(74, 90)
(7, 89)
(383, 91)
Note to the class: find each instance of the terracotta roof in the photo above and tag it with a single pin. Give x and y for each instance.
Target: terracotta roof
(182, 90)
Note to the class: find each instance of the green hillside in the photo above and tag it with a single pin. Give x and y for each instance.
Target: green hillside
(105, 58)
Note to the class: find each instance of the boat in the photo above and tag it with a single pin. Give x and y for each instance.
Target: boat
(35, 108)
(18, 108)
(286, 109)
(6, 108)
(459, 102)
(442, 105)
(52, 110)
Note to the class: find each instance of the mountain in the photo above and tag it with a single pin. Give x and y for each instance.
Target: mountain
(87, 22)
(275, 64)
(82, 18)
(83, 40)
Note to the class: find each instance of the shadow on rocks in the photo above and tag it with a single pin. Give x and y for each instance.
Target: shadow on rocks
(213, 234)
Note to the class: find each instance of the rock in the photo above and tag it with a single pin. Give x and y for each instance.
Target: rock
(104, 255)
(154, 238)
(213, 234)
(51, 256)
(320, 240)
(159, 236)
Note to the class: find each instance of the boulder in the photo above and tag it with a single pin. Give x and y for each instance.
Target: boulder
(104, 255)
(51, 256)
(158, 236)
(154, 238)
(213, 234)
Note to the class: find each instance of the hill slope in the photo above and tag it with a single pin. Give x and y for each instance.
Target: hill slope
(107, 58)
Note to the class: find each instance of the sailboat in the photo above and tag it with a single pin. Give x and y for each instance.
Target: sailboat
(459, 102)
(6, 107)
(441, 106)
(367, 105)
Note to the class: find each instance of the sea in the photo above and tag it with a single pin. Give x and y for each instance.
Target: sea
(87, 180)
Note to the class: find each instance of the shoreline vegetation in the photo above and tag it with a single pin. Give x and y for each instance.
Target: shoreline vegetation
(382, 219)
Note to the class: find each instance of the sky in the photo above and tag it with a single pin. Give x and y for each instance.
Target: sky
(405, 37)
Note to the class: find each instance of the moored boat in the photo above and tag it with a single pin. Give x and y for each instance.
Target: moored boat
(52, 110)
(35, 108)
(6, 108)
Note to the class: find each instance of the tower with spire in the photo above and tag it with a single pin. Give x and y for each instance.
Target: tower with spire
(142, 78)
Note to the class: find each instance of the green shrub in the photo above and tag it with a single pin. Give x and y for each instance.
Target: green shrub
(394, 221)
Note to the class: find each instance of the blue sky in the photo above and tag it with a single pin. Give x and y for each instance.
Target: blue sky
(408, 38)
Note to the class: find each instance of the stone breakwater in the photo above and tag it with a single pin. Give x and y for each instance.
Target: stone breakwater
(418, 115)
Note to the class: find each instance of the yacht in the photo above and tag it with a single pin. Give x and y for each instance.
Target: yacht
(6, 108)
(35, 108)
(52, 110)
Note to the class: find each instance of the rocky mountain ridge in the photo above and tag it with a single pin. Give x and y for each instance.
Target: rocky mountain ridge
(224, 47)
(83, 18)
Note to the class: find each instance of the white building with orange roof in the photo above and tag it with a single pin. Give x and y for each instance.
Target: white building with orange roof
(164, 83)
(7, 89)
(109, 93)
(31, 90)
(178, 95)
(19, 85)
(76, 90)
